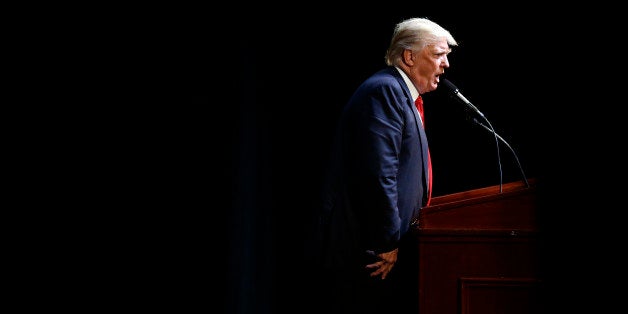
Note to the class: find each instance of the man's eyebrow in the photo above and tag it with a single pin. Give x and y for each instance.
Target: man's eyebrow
(439, 51)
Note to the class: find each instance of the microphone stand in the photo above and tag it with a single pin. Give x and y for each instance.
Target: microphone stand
(525, 179)
(490, 128)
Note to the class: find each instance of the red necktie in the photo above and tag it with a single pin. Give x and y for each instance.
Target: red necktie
(419, 106)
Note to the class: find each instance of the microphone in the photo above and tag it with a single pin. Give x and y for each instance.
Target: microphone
(465, 101)
(457, 93)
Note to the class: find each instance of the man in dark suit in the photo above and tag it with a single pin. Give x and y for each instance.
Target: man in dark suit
(379, 177)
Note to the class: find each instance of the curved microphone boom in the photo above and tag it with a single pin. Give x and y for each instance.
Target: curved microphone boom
(525, 179)
(452, 88)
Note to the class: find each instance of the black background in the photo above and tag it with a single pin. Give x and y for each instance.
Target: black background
(247, 106)
(294, 76)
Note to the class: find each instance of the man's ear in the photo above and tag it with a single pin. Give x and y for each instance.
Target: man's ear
(408, 57)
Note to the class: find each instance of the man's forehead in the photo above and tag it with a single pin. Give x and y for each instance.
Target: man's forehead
(439, 47)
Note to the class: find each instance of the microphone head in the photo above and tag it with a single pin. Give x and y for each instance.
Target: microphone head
(449, 85)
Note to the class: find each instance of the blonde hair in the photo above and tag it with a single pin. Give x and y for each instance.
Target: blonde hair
(415, 34)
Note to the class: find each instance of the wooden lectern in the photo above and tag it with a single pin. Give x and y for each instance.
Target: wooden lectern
(479, 252)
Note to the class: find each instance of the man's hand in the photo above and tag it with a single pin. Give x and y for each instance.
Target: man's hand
(384, 265)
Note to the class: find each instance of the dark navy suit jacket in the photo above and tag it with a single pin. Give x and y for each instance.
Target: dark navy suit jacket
(377, 180)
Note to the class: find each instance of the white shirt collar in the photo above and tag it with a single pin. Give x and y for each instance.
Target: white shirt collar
(413, 91)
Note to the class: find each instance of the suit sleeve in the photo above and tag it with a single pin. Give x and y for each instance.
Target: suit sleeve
(374, 138)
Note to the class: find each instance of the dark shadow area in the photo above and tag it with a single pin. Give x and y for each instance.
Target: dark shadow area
(252, 105)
